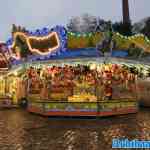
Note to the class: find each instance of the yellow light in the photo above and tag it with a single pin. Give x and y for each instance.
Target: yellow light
(1, 77)
(15, 73)
(93, 66)
(37, 38)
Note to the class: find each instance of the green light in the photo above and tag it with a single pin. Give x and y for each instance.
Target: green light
(85, 35)
(78, 35)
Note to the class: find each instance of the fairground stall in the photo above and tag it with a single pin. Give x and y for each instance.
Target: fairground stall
(5, 99)
(16, 84)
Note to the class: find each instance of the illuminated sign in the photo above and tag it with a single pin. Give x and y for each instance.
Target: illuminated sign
(43, 45)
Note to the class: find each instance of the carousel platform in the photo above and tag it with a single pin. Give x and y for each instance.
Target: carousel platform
(102, 108)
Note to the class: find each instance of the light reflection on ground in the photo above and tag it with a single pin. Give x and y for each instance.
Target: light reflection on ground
(20, 130)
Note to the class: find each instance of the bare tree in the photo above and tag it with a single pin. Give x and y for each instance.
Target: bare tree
(88, 23)
(85, 23)
(74, 24)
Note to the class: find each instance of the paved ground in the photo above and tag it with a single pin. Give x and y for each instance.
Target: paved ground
(20, 130)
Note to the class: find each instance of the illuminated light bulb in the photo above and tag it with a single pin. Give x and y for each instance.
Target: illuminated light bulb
(15, 73)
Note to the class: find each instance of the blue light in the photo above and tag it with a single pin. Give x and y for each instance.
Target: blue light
(9, 42)
(45, 29)
(34, 33)
(41, 32)
(30, 32)
(52, 30)
(37, 32)
(45, 33)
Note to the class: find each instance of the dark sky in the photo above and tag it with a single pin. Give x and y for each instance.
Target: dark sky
(39, 13)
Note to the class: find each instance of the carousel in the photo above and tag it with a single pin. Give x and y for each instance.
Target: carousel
(57, 81)
(81, 88)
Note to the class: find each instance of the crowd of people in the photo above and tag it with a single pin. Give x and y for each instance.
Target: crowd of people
(103, 81)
